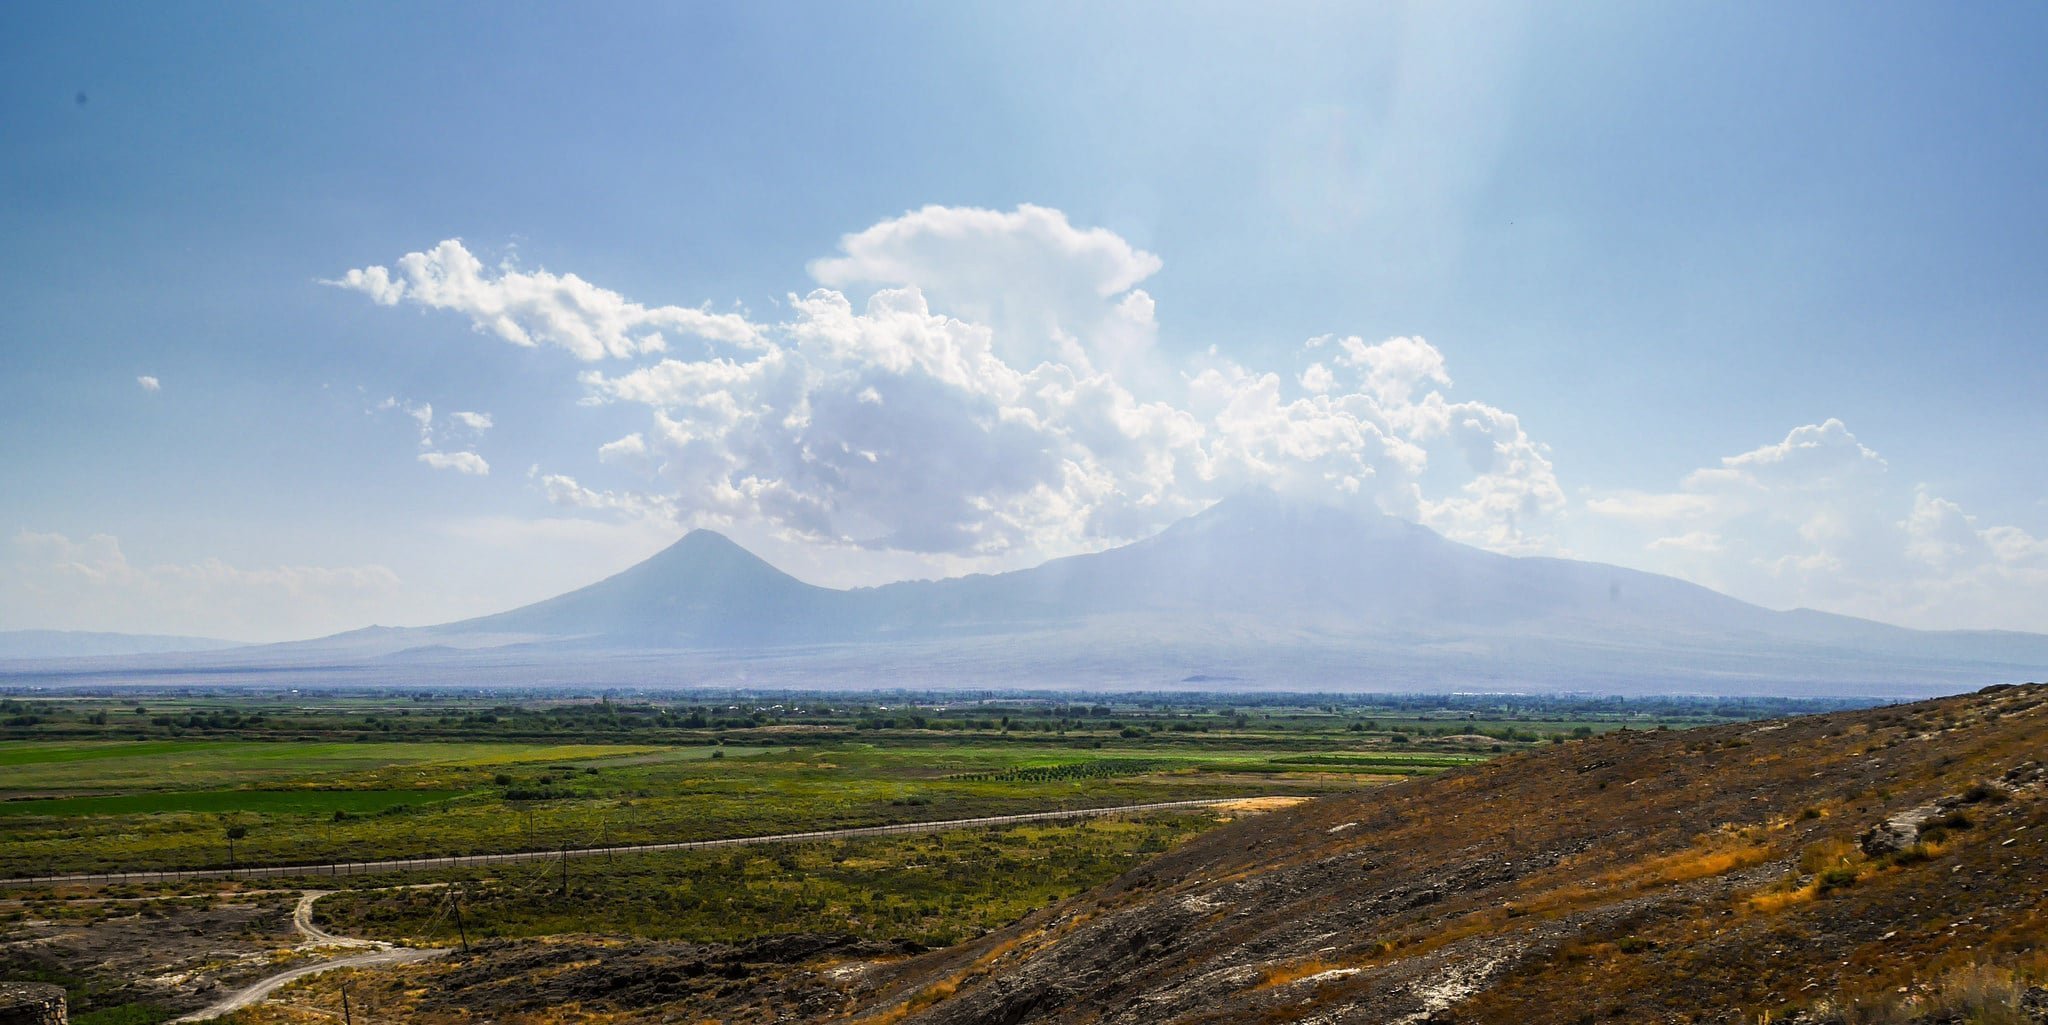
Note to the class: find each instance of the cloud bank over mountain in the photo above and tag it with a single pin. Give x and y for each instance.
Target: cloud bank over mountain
(968, 388)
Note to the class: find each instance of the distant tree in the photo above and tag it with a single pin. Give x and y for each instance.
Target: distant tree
(235, 832)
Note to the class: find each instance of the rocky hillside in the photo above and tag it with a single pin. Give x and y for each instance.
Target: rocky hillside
(1886, 864)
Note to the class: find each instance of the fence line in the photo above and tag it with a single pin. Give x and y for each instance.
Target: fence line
(355, 868)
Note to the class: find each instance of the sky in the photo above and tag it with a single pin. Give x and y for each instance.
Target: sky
(319, 316)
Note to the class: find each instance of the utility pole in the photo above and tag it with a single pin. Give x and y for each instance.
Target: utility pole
(565, 868)
(455, 894)
(347, 1016)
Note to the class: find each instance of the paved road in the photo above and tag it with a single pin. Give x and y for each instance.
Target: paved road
(356, 868)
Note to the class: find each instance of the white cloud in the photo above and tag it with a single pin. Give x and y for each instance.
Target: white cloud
(472, 424)
(998, 393)
(149, 384)
(1817, 520)
(1048, 290)
(460, 462)
(58, 582)
(531, 308)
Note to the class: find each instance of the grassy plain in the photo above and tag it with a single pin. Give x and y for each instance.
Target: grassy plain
(147, 782)
(547, 797)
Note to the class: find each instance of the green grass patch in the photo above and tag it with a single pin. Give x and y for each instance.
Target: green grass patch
(271, 802)
(33, 753)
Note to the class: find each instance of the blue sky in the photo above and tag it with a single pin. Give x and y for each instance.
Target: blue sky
(1656, 248)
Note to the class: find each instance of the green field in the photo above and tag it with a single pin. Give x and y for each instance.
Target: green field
(140, 782)
(433, 799)
(64, 768)
(274, 802)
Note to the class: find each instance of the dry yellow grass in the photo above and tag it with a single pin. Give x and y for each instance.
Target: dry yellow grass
(1686, 866)
(1284, 974)
(1773, 901)
(1256, 805)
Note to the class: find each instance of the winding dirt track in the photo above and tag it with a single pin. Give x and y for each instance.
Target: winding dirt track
(379, 954)
(250, 996)
(356, 868)
(302, 920)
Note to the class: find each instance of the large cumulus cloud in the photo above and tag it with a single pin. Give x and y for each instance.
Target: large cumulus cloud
(977, 383)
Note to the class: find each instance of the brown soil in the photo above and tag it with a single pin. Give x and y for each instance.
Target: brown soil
(600, 979)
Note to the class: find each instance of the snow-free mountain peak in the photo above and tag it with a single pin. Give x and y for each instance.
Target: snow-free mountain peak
(1272, 591)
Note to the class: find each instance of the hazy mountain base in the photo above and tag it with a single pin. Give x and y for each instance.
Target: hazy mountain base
(1215, 654)
(42, 644)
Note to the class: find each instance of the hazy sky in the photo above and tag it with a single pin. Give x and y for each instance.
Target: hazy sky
(313, 316)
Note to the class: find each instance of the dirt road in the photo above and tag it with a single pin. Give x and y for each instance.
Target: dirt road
(356, 868)
(302, 920)
(251, 995)
(378, 954)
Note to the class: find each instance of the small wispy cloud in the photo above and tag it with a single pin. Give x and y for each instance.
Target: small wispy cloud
(149, 384)
(478, 422)
(460, 462)
(422, 413)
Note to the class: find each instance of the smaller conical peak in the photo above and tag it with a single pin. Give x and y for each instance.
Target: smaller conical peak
(701, 540)
(705, 548)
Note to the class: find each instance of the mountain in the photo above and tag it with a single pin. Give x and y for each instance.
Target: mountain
(1285, 568)
(1269, 593)
(701, 592)
(77, 643)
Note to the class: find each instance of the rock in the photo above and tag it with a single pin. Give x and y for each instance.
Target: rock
(1898, 832)
(32, 1003)
(2034, 1004)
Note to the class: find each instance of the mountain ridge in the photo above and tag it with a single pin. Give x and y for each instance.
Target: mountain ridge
(1284, 595)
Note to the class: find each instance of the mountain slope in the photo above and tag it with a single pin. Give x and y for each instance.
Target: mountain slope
(1262, 563)
(1706, 875)
(702, 591)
